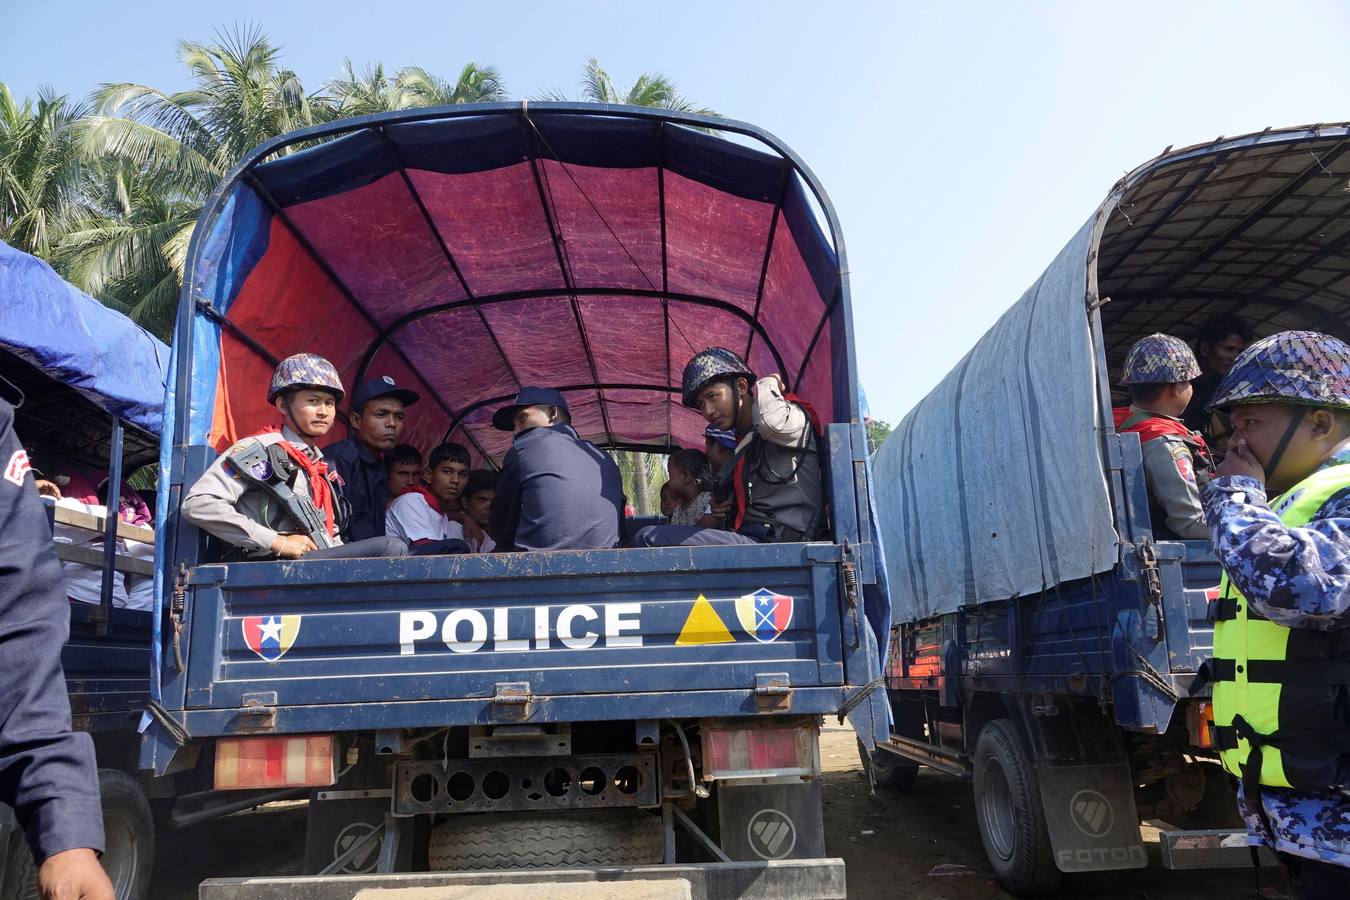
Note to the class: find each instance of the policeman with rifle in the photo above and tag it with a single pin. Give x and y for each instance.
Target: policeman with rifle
(272, 495)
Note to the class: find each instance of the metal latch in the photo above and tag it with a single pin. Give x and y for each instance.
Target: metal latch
(258, 711)
(511, 700)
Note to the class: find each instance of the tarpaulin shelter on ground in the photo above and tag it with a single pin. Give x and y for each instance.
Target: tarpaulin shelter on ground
(995, 486)
(63, 349)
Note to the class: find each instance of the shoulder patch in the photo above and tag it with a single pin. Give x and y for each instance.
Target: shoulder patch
(17, 467)
(1185, 468)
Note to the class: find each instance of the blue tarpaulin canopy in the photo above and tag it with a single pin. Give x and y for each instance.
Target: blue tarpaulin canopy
(76, 340)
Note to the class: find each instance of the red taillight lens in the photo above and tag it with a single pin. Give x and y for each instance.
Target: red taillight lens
(274, 762)
(732, 750)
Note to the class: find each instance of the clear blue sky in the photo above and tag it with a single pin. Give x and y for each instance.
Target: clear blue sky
(963, 144)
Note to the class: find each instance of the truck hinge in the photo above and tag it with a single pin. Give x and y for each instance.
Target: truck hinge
(850, 571)
(258, 711)
(511, 700)
(177, 608)
(773, 691)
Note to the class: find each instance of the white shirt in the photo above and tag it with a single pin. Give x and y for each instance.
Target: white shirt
(411, 518)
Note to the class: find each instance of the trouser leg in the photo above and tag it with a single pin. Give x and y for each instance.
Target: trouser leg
(1316, 880)
(376, 546)
(439, 548)
(687, 536)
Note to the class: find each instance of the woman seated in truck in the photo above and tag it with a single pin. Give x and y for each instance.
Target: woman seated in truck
(271, 495)
(769, 491)
(1158, 373)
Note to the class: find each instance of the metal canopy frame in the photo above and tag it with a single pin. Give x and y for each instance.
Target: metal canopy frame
(534, 151)
(1257, 226)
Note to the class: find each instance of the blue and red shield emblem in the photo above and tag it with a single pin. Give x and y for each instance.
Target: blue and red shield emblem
(764, 615)
(270, 636)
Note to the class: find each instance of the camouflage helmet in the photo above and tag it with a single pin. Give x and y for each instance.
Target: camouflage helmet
(305, 370)
(1304, 367)
(711, 365)
(1160, 359)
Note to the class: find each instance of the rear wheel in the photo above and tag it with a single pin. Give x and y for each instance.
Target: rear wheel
(1008, 808)
(128, 834)
(545, 840)
(889, 770)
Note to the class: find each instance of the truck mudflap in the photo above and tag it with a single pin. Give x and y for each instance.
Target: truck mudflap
(788, 879)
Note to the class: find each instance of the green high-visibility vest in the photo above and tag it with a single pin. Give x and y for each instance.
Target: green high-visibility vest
(1281, 687)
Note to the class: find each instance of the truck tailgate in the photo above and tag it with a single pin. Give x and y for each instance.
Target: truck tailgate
(407, 642)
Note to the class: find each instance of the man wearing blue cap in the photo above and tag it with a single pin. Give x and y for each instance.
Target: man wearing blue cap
(377, 416)
(555, 491)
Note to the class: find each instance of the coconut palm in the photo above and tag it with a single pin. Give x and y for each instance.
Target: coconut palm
(164, 154)
(40, 170)
(373, 90)
(650, 89)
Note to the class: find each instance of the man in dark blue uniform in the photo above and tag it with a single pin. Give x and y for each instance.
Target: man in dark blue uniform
(377, 416)
(555, 491)
(47, 771)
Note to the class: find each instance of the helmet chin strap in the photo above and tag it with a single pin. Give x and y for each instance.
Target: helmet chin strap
(1283, 445)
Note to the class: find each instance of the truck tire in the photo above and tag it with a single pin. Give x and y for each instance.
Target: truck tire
(545, 840)
(1008, 808)
(888, 770)
(19, 879)
(129, 834)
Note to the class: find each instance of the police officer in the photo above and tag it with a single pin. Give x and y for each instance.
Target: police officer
(229, 504)
(47, 771)
(377, 418)
(1158, 373)
(1281, 662)
(773, 477)
(555, 491)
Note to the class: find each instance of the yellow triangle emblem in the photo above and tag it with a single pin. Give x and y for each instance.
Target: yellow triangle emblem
(703, 626)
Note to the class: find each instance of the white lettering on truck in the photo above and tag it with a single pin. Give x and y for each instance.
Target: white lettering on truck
(574, 627)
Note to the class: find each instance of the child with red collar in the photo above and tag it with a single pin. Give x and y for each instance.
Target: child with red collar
(419, 517)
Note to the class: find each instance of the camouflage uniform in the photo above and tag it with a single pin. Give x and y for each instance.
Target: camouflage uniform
(1296, 577)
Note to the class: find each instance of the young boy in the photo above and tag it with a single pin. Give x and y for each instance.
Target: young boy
(667, 498)
(691, 506)
(231, 505)
(1158, 373)
(476, 509)
(777, 495)
(719, 445)
(404, 463)
(1280, 648)
(419, 517)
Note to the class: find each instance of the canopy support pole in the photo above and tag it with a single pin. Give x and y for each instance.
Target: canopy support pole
(665, 268)
(768, 253)
(810, 348)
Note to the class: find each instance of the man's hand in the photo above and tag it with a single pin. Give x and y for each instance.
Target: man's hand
(74, 875)
(48, 489)
(292, 546)
(1240, 461)
(473, 532)
(721, 510)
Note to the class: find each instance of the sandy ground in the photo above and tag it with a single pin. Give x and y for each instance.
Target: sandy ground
(895, 845)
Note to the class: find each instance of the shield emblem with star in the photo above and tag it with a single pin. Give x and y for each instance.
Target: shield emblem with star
(270, 636)
(764, 614)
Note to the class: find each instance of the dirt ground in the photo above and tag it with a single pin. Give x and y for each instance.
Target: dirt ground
(895, 845)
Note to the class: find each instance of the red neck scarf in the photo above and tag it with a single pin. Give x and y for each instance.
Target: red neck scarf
(316, 473)
(432, 500)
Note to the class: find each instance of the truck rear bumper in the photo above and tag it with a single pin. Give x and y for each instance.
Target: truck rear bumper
(795, 879)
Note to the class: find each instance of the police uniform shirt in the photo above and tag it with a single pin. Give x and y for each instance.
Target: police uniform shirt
(47, 771)
(365, 485)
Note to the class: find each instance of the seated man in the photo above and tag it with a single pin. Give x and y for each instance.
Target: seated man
(244, 509)
(1158, 372)
(419, 517)
(476, 507)
(774, 476)
(692, 505)
(377, 423)
(555, 491)
(404, 464)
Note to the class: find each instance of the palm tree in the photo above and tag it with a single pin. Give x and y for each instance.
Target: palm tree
(373, 90)
(650, 89)
(164, 154)
(40, 170)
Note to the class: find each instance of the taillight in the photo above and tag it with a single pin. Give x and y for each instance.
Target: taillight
(1204, 726)
(274, 762)
(747, 749)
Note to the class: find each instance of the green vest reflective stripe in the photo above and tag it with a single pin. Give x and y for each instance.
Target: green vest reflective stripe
(1292, 690)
